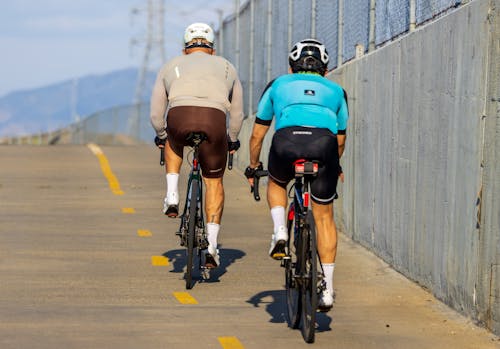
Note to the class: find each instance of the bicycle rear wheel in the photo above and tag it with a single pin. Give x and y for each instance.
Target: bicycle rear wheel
(191, 233)
(293, 299)
(309, 292)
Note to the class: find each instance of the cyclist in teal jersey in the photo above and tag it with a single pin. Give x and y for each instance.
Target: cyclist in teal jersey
(310, 115)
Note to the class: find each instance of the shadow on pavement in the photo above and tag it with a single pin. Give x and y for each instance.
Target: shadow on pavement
(275, 303)
(227, 257)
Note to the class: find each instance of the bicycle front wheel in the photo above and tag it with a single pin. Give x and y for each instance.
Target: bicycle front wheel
(309, 292)
(191, 233)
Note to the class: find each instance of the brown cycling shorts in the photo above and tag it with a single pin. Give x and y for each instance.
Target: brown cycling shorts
(213, 152)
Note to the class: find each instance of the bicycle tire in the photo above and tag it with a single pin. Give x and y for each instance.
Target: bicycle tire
(309, 292)
(191, 234)
(293, 299)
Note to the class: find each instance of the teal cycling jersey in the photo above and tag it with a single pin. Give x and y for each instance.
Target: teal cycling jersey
(308, 100)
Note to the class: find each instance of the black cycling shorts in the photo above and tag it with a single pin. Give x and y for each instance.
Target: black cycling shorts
(183, 120)
(293, 143)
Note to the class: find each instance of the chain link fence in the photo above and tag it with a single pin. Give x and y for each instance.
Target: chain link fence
(120, 125)
(258, 37)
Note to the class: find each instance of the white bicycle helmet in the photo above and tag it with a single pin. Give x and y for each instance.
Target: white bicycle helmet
(309, 55)
(200, 31)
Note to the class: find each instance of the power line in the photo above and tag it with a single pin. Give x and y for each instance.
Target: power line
(154, 46)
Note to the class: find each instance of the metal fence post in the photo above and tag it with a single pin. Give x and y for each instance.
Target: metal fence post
(252, 59)
(290, 23)
(413, 15)
(313, 19)
(371, 38)
(237, 51)
(340, 55)
(269, 38)
(221, 32)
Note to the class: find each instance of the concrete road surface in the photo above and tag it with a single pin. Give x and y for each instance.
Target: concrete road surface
(82, 266)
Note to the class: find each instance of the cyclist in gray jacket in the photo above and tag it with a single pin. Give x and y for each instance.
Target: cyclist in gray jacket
(198, 89)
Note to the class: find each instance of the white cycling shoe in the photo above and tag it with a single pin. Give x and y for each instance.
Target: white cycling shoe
(171, 204)
(278, 243)
(212, 259)
(325, 301)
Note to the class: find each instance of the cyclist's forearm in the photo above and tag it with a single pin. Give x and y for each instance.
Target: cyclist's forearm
(255, 149)
(236, 111)
(258, 133)
(341, 150)
(235, 123)
(341, 144)
(158, 107)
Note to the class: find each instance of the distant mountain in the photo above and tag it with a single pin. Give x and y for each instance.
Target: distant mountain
(52, 107)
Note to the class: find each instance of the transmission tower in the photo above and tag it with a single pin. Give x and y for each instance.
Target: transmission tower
(154, 47)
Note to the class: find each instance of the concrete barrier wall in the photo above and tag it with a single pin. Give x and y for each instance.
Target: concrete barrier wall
(421, 152)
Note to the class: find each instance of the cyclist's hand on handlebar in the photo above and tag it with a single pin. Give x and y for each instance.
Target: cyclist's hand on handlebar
(233, 146)
(160, 143)
(250, 172)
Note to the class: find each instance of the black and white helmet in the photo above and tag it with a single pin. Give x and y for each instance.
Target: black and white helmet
(309, 55)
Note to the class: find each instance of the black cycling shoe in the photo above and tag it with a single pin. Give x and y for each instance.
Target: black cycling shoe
(278, 251)
(172, 211)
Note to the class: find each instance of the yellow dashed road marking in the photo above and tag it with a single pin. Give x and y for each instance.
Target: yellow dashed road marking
(185, 298)
(159, 261)
(114, 185)
(144, 233)
(128, 210)
(230, 343)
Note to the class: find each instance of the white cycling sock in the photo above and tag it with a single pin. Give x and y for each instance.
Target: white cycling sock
(212, 232)
(172, 182)
(278, 215)
(328, 270)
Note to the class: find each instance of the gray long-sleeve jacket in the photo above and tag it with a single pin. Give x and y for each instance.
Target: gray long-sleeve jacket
(197, 79)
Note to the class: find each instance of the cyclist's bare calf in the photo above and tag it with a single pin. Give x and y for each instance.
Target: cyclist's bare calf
(173, 161)
(276, 194)
(326, 232)
(214, 199)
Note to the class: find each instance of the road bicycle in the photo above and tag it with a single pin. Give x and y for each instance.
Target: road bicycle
(192, 231)
(304, 277)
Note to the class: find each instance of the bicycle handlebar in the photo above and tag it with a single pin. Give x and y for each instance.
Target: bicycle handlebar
(162, 156)
(230, 161)
(256, 178)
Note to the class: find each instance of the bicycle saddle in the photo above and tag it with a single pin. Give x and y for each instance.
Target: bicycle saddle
(195, 138)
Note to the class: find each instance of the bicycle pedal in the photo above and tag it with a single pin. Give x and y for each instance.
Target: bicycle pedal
(278, 256)
(205, 273)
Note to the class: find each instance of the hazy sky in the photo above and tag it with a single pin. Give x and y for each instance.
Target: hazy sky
(48, 41)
